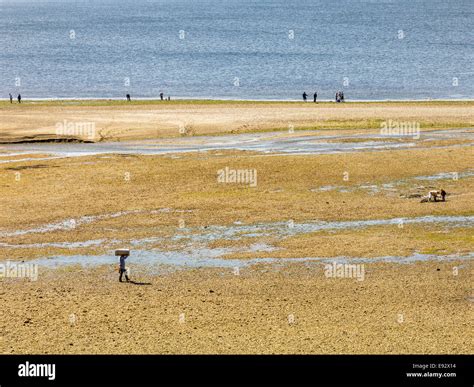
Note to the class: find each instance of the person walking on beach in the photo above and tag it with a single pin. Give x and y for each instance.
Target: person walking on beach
(338, 96)
(122, 269)
(19, 98)
(11, 97)
(128, 98)
(305, 96)
(315, 96)
(161, 96)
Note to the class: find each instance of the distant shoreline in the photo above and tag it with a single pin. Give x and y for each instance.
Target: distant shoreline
(233, 100)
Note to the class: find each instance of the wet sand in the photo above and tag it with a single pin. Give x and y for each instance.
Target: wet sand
(237, 268)
(272, 143)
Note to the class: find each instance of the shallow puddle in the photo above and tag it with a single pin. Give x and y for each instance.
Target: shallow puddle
(282, 229)
(267, 143)
(237, 231)
(212, 258)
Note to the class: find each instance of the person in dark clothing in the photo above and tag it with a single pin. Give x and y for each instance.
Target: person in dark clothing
(305, 96)
(443, 195)
(338, 97)
(122, 269)
(128, 98)
(315, 96)
(342, 96)
(11, 97)
(161, 96)
(19, 98)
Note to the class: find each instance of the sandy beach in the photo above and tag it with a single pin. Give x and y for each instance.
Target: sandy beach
(224, 265)
(418, 308)
(119, 120)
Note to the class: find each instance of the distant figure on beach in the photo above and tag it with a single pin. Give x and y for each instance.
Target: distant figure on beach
(11, 97)
(433, 196)
(19, 98)
(169, 98)
(341, 96)
(123, 253)
(315, 96)
(161, 96)
(128, 98)
(338, 96)
(305, 96)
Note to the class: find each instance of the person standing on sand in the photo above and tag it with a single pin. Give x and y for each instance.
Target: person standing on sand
(128, 97)
(315, 96)
(305, 96)
(161, 96)
(19, 98)
(11, 97)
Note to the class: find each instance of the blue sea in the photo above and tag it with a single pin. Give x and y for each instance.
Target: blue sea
(237, 49)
